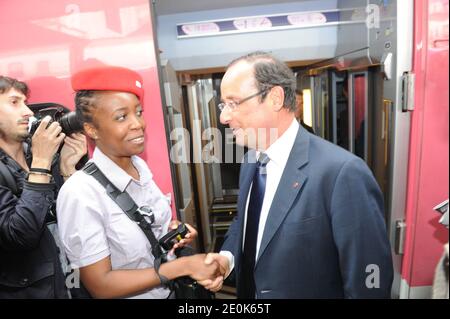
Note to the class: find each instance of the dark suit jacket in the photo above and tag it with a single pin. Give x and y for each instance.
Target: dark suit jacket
(29, 257)
(325, 236)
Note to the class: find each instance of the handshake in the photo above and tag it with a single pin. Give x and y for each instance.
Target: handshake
(209, 270)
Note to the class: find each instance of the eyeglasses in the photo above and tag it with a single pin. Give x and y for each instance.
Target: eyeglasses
(233, 105)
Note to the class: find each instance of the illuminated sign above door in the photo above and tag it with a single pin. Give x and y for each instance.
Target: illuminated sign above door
(270, 22)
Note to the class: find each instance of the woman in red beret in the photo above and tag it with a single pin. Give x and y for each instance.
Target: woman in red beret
(110, 250)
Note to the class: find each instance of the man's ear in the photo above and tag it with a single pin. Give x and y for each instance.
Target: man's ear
(90, 130)
(276, 96)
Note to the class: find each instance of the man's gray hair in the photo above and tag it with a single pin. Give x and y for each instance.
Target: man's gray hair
(269, 72)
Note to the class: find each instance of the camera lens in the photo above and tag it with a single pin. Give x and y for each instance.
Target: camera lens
(70, 124)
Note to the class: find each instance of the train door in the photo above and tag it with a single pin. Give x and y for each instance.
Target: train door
(178, 127)
(216, 165)
(349, 111)
(198, 101)
(428, 159)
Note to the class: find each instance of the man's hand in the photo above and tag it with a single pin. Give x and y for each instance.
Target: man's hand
(199, 270)
(224, 269)
(74, 148)
(45, 143)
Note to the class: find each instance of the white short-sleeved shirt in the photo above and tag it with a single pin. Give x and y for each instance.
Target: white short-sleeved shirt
(92, 226)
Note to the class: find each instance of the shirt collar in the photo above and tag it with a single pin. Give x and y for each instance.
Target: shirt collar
(117, 175)
(279, 151)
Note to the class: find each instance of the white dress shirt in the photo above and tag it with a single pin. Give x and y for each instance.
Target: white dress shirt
(278, 154)
(92, 226)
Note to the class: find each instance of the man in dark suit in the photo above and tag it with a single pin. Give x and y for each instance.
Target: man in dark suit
(310, 214)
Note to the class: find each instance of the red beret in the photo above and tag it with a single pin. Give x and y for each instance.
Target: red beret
(109, 78)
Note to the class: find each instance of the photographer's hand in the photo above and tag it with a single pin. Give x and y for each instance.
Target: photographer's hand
(45, 143)
(74, 148)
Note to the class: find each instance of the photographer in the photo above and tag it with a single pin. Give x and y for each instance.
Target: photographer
(29, 256)
(113, 254)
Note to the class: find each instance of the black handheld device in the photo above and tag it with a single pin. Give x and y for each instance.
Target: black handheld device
(173, 237)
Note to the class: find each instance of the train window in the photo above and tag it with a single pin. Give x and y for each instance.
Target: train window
(340, 110)
(359, 110)
(321, 117)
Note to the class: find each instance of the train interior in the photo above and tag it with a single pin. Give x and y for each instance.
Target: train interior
(344, 70)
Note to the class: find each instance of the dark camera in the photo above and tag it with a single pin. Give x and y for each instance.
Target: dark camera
(173, 237)
(68, 121)
(184, 287)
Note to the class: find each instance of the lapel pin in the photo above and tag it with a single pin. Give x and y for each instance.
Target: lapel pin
(295, 185)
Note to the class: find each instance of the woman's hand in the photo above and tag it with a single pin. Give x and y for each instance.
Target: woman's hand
(187, 240)
(215, 284)
(200, 271)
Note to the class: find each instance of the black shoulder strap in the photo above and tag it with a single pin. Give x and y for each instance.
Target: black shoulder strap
(7, 179)
(127, 204)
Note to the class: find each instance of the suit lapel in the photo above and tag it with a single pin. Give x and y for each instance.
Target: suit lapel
(292, 180)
